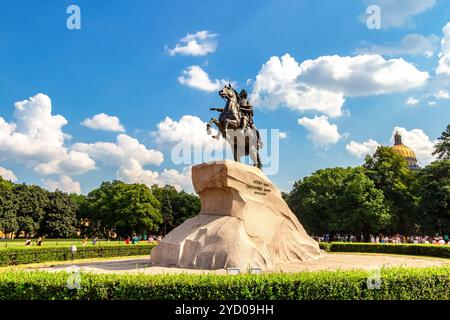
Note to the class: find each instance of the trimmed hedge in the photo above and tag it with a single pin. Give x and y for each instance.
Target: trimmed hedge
(23, 255)
(431, 250)
(395, 283)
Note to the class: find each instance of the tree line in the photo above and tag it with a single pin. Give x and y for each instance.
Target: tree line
(381, 196)
(113, 209)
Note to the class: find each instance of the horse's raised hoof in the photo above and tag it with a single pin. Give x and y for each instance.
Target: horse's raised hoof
(208, 129)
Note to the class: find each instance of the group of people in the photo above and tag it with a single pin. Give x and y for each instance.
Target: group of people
(396, 238)
(153, 239)
(28, 241)
(410, 239)
(94, 241)
(135, 239)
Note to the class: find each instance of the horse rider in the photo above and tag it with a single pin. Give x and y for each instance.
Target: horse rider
(246, 110)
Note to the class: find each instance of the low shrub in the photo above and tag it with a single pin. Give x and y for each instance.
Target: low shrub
(23, 255)
(431, 250)
(395, 284)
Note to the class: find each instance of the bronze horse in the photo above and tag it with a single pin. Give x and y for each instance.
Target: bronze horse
(244, 141)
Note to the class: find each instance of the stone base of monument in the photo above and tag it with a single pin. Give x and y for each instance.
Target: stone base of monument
(243, 223)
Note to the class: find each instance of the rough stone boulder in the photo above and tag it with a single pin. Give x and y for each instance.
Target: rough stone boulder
(244, 222)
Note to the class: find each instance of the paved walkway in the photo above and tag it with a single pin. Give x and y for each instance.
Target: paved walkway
(331, 261)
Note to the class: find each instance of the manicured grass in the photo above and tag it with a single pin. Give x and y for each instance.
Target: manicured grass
(26, 255)
(391, 284)
(8, 243)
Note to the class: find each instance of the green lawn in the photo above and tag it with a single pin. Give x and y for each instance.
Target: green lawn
(10, 243)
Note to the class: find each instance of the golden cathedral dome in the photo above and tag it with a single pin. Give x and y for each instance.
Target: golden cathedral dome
(405, 151)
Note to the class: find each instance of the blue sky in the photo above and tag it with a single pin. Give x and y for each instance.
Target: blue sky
(316, 72)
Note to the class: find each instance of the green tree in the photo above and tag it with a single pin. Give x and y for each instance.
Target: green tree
(8, 208)
(117, 207)
(98, 209)
(433, 189)
(390, 173)
(165, 196)
(185, 206)
(31, 203)
(136, 209)
(442, 147)
(339, 200)
(60, 219)
(179, 205)
(80, 202)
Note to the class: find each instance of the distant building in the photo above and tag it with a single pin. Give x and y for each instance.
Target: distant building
(405, 151)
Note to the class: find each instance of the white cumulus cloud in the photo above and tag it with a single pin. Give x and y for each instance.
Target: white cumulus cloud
(322, 84)
(442, 94)
(189, 130)
(74, 163)
(188, 140)
(128, 156)
(125, 149)
(321, 132)
(282, 135)
(135, 173)
(132, 171)
(362, 75)
(278, 84)
(200, 43)
(104, 122)
(444, 55)
(7, 174)
(35, 138)
(180, 180)
(438, 86)
(36, 135)
(412, 101)
(360, 150)
(196, 77)
(411, 44)
(65, 184)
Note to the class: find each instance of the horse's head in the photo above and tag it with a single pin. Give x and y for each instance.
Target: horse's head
(228, 93)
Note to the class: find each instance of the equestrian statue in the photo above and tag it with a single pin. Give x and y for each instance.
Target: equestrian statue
(236, 125)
